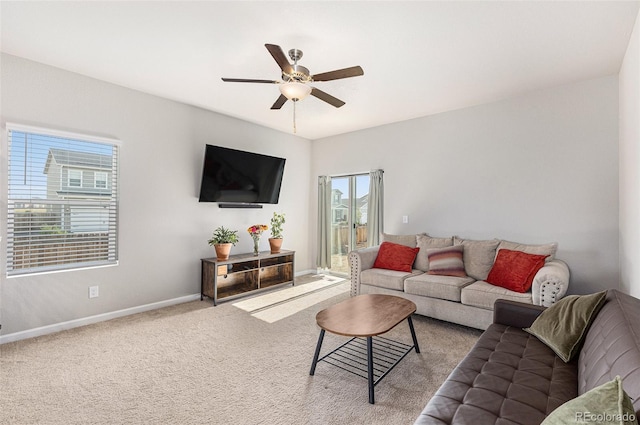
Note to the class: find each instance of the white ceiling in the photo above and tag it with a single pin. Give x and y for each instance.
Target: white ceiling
(419, 58)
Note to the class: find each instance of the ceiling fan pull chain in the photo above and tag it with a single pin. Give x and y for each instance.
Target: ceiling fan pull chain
(294, 116)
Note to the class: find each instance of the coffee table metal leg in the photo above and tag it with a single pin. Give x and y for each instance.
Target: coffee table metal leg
(317, 353)
(413, 334)
(370, 368)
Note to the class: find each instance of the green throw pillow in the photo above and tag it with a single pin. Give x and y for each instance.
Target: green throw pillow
(606, 404)
(563, 326)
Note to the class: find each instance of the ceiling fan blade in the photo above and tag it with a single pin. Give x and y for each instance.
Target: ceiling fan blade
(354, 71)
(244, 80)
(280, 58)
(326, 97)
(281, 101)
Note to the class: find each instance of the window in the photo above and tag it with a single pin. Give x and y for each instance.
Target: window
(62, 206)
(75, 178)
(100, 180)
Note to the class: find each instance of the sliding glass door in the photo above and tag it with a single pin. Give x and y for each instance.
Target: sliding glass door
(349, 203)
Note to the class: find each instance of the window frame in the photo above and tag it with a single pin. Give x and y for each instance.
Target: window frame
(112, 232)
(101, 180)
(69, 178)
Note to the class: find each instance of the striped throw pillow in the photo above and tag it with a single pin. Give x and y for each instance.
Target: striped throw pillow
(446, 261)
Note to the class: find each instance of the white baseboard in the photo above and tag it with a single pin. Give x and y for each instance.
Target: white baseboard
(57, 327)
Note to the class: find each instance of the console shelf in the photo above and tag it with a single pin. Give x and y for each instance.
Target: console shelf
(245, 273)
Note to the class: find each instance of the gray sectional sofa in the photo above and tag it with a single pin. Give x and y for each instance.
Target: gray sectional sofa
(466, 300)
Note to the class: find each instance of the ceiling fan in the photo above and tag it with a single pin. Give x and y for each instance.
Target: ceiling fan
(296, 78)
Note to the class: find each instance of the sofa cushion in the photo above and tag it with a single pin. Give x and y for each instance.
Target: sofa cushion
(394, 256)
(435, 286)
(484, 295)
(446, 261)
(508, 377)
(564, 325)
(607, 404)
(612, 346)
(544, 249)
(425, 242)
(384, 278)
(407, 240)
(478, 256)
(515, 270)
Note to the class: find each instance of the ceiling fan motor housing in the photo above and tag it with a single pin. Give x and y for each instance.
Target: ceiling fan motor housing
(299, 74)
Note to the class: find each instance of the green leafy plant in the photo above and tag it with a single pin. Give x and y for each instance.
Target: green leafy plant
(224, 235)
(276, 225)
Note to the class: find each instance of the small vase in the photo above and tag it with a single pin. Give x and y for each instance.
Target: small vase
(256, 241)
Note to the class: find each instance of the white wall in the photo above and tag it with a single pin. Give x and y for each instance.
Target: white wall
(538, 168)
(629, 163)
(163, 229)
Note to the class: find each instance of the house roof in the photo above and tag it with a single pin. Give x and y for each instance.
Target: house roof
(344, 202)
(78, 159)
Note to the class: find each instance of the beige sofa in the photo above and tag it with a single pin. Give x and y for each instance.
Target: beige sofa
(464, 300)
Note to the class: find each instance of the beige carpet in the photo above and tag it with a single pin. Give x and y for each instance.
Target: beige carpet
(198, 364)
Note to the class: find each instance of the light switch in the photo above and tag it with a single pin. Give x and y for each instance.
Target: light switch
(405, 219)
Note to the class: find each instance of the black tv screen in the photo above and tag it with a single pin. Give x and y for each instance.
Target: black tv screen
(230, 175)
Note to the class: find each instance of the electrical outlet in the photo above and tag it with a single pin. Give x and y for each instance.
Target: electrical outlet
(93, 292)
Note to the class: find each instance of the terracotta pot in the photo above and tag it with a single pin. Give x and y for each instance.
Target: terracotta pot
(275, 245)
(223, 250)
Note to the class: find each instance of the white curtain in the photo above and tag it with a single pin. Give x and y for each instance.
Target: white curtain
(375, 217)
(324, 222)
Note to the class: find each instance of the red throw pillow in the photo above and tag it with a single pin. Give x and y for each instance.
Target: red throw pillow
(392, 256)
(515, 270)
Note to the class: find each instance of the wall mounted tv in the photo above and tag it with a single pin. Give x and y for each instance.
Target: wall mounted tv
(240, 178)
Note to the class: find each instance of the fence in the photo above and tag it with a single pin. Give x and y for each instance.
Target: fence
(340, 238)
(31, 251)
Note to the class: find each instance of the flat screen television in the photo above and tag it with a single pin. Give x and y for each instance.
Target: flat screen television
(234, 176)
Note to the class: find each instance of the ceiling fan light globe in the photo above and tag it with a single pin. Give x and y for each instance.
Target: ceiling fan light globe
(295, 91)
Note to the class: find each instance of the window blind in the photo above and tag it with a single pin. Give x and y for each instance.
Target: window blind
(62, 206)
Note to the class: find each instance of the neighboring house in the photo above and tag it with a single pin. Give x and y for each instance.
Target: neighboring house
(84, 178)
(340, 207)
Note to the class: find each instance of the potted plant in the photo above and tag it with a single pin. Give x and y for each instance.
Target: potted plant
(222, 240)
(275, 241)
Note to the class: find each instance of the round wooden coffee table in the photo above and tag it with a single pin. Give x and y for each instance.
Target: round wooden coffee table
(366, 316)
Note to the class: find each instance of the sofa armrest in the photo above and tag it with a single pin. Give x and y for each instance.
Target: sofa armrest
(550, 283)
(517, 314)
(359, 260)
